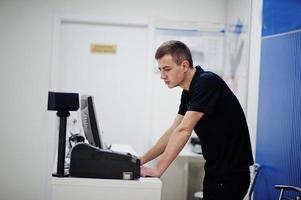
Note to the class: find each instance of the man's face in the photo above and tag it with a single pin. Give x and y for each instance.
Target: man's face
(171, 73)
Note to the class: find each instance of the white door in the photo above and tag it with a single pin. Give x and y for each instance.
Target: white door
(120, 82)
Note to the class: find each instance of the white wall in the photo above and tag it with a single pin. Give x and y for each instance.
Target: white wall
(24, 75)
(25, 66)
(249, 64)
(250, 13)
(237, 12)
(254, 69)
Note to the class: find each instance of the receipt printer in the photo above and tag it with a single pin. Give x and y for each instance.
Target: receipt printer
(91, 162)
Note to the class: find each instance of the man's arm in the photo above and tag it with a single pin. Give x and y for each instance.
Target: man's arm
(176, 142)
(160, 146)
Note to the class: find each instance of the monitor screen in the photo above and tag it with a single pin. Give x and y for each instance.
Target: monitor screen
(89, 121)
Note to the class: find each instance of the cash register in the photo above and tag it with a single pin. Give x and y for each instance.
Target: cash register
(93, 159)
(96, 160)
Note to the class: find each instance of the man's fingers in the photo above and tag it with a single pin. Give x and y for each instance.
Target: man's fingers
(142, 171)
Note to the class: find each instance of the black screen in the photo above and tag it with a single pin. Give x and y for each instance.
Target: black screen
(89, 121)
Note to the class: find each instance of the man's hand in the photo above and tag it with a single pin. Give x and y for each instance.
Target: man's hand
(147, 171)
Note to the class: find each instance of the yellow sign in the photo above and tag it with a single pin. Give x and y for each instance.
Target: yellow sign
(103, 48)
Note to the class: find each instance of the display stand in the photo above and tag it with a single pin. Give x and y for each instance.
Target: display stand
(62, 102)
(61, 144)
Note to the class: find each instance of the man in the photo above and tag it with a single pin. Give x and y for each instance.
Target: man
(210, 109)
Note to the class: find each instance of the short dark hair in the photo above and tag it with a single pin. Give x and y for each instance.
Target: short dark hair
(178, 51)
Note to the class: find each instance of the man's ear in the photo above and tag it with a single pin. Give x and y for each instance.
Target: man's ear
(185, 65)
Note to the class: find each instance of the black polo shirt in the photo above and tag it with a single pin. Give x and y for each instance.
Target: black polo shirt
(223, 130)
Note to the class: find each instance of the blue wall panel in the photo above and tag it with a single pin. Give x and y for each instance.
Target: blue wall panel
(281, 16)
(279, 115)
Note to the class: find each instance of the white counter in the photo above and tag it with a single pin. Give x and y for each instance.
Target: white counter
(102, 189)
(106, 189)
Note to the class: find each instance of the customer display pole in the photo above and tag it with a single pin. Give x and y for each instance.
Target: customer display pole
(61, 144)
(62, 103)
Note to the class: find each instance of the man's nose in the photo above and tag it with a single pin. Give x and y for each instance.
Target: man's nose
(162, 75)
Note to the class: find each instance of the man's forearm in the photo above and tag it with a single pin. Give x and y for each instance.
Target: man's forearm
(157, 149)
(177, 141)
(160, 146)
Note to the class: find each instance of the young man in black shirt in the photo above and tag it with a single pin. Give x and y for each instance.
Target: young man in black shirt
(209, 108)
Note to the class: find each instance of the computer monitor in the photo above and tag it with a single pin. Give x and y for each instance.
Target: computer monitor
(89, 121)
